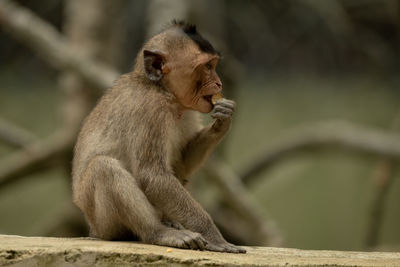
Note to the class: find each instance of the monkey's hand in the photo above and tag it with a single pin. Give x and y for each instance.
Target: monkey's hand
(216, 242)
(179, 238)
(225, 247)
(223, 113)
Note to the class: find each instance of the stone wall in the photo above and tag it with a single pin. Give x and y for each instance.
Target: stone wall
(60, 252)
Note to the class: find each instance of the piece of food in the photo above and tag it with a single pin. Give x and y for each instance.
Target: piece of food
(216, 97)
(169, 250)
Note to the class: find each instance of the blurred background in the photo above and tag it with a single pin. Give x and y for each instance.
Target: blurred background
(312, 159)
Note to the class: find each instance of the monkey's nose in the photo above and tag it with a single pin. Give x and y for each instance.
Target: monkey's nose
(219, 85)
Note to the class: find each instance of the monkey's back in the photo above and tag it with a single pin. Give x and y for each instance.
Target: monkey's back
(135, 126)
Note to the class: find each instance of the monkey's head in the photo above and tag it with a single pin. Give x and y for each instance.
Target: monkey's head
(184, 63)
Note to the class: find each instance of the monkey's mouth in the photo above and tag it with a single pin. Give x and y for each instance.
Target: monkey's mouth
(208, 98)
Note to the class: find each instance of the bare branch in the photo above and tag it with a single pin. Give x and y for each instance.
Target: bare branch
(237, 197)
(34, 156)
(340, 134)
(14, 135)
(44, 39)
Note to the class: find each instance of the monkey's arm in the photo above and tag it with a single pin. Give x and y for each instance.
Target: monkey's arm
(197, 151)
(202, 144)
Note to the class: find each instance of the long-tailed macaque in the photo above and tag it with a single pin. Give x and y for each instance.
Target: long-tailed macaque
(144, 139)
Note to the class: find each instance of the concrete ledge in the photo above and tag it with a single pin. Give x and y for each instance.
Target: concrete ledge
(44, 251)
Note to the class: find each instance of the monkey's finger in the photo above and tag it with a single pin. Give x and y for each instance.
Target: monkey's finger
(201, 242)
(232, 245)
(226, 103)
(190, 238)
(234, 249)
(223, 109)
(230, 249)
(190, 242)
(241, 250)
(213, 247)
(237, 248)
(219, 115)
(181, 244)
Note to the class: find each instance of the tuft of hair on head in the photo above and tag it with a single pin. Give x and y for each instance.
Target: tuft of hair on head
(186, 27)
(191, 31)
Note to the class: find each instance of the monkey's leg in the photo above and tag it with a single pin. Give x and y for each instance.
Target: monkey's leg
(113, 202)
(173, 224)
(174, 201)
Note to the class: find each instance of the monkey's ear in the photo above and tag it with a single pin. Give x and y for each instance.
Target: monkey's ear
(153, 64)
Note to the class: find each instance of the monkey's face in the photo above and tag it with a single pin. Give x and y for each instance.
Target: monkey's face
(185, 71)
(194, 80)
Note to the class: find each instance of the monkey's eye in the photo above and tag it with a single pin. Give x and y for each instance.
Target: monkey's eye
(209, 65)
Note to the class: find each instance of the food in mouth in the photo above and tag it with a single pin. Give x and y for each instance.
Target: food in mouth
(216, 97)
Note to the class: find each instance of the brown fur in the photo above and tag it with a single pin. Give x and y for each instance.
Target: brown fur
(139, 146)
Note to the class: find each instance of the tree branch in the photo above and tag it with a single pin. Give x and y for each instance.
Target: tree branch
(236, 196)
(34, 156)
(340, 134)
(14, 135)
(45, 40)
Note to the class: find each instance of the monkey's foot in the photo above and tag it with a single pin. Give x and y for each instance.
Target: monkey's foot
(225, 247)
(172, 224)
(180, 239)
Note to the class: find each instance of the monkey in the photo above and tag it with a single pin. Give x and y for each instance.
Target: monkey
(143, 140)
